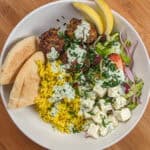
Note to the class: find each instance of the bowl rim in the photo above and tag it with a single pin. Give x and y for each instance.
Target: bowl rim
(49, 5)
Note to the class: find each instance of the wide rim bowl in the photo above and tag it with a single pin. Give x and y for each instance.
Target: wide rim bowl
(7, 43)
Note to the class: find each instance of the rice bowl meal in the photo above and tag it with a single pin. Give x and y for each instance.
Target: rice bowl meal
(79, 79)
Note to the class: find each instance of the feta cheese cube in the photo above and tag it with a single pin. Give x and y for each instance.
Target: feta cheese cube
(87, 124)
(87, 104)
(99, 90)
(105, 106)
(120, 102)
(103, 114)
(103, 131)
(114, 91)
(93, 130)
(96, 110)
(92, 95)
(97, 118)
(123, 114)
(113, 120)
(87, 115)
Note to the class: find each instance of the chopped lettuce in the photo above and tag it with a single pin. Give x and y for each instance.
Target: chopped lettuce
(111, 39)
(135, 90)
(132, 105)
(125, 57)
(134, 94)
(104, 51)
(107, 47)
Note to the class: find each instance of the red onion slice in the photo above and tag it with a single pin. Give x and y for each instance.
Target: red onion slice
(131, 51)
(129, 74)
(126, 87)
(123, 38)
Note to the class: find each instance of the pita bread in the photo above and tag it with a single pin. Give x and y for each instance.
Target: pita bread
(26, 85)
(15, 58)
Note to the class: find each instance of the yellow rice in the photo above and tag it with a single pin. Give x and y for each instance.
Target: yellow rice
(68, 111)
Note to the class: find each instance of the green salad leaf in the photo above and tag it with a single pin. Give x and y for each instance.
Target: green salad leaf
(125, 57)
(107, 48)
(135, 90)
(132, 105)
(104, 51)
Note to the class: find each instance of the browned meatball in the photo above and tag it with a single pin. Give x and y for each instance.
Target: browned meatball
(51, 39)
(64, 58)
(93, 34)
(72, 26)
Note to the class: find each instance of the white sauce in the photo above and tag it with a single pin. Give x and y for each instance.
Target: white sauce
(54, 67)
(53, 54)
(54, 111)
(119, 73)
(64, 91)
(76, 54)
(116, 47)
(82, 31)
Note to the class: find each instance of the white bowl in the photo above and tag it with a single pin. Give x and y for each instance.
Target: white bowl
(27, 119)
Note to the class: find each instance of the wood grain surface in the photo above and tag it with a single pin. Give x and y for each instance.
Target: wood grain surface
(12, 11)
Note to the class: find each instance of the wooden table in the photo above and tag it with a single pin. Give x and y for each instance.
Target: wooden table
(12, 11)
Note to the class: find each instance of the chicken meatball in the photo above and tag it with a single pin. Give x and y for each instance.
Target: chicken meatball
(85, 29)
(50, 39)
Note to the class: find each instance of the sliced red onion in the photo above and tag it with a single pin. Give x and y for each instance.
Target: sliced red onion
(123, 38)
(126, 87)
(97, 59)
(129, 74)
(133, 48)
(131, 52)
(134, 99)
(123, 35)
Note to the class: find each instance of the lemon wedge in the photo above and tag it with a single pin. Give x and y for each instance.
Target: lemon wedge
(91, 14)
(106, 14)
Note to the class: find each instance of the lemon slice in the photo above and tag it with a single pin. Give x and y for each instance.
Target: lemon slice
(106, 14)
(91, 14)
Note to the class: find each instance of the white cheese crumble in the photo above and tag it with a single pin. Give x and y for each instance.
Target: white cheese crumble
(76, 53)
(114, 91)
(53, 54)
(105, 107)
(103, 131)
(123, 114)
(87, 115)
(82, 31)
(96, 110)
(119, 102)
(93, 130)
(113, 120)
(99, 90)
(64, 91)
(87, 104)
(97, 118)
